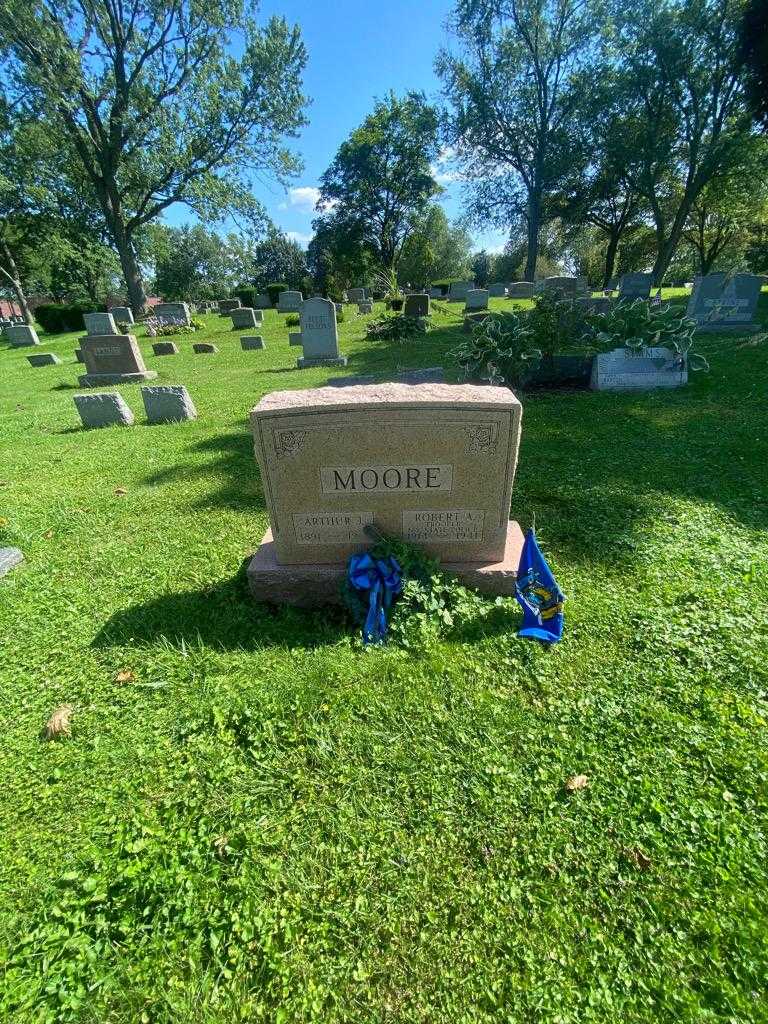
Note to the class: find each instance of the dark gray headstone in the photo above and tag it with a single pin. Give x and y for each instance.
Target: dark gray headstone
(251, 342)
(106, 409)
(168, 403)
(44, 359)
(416, 305)
(203, 347)
(722, 302)
(165, 348)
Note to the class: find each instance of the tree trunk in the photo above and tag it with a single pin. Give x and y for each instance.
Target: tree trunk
(668, 248)
(610, 256)
(12, 273)
(534, 224)
(137, 296)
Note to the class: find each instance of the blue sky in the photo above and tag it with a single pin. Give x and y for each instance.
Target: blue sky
(358, 51)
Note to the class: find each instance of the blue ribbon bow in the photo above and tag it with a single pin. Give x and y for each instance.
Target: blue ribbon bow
(383, 578)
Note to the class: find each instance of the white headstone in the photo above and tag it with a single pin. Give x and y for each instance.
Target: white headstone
(319, 336)
(99, 323)
(289, 302)
(477, 298)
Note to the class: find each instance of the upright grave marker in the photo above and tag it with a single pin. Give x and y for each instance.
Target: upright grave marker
(289, 302)
(622, 370)
(477, 298)
(497, 290)
(227, 305)
(520, 290)
(112, 359)
(99, 323)
(178, 311)
(431, 463)
(725, 303)
(103, 410)
(21, 335)
(245, 317)
(457, 292)
(416, 305)
(635, 286)
(356, 294)
(122, 314)
(567, 286)
(319, 335)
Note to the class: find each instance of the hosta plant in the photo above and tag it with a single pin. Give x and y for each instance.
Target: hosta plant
(501, 350)
(638, 325)
(396, 327)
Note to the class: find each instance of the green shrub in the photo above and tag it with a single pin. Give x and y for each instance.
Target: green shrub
(123, 326)
(340, 316)
(396, 327)
(247, 295)
(293, 320)
(557, 325)
(446, 283)
(163, 330)
(273, 291)
(56, 317)
(501, 349)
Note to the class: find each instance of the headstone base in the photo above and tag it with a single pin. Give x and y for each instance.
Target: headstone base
(96, 380)
(311, 586)
(307, 362)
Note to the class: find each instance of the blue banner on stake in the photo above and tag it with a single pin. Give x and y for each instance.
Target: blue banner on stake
(539, 595)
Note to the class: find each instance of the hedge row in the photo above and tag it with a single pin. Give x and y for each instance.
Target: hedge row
(57, 317)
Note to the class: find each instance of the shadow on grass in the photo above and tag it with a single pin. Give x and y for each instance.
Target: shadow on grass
(222, 616)
(234, 461)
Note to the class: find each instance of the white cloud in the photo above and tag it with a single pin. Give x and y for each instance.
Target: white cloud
(298, 236)
(441, 167)
(304, 199)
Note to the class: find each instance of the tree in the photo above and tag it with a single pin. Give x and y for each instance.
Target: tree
(435, 249)
(279, 258)
(154, 106)
(514, 97)
(338, 255)
(194, 262)
(686, 116)
(381, 181)
(482, 266)
(753, 53)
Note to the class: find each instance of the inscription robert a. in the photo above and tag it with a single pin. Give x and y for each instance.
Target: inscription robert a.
(378, 479)
(444, 525)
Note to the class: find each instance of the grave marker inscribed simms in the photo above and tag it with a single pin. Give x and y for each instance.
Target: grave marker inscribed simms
(431, 462)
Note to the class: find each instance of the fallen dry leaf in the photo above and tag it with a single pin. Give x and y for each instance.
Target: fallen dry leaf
(576, 782)
(125, 676)
(58, 724)
(121, 490)
(48, 534)
(638, 858)
(220, 846)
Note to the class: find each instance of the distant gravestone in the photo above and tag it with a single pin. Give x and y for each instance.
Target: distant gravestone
(458, 290)
(356, 294)
(635, 286)
(227, 305)
(319, 336)
(262, 301)
(204, 348)
(103, 410)
(566, 286)
(21, 335)
(416, 305)
(365, 307)
(598, 304)
(477, 298)
(165, 348)
(9, 559)
(44, 359)
(622, 370)
(426, 375)
(435, 293)
(168, 403)
(245, 317)
(294, 338)
(497, 291)
(99, 323)
(289, 302)
(172, 311)
(520, 290)
(122, 314)
(112, 359)
(722, 302)
(250, 343)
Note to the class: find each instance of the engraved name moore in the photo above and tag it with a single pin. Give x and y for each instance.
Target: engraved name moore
(377, 479)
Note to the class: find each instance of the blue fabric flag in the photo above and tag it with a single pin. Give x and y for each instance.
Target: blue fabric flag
(539, 595)
(382, 578)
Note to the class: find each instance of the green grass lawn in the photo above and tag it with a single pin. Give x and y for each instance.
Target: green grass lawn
(263, 822)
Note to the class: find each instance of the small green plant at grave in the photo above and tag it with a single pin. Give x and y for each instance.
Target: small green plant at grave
(273, 291)
(123, 326)
(196, 325)
(164, 330)
(557, 325)
(385, 283)
(292, 320)
(638, 325)
(396, 327)
(431, 601)
(340, 316)
(500, 349)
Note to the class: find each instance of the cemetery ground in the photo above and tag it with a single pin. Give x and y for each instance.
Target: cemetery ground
(254, 819)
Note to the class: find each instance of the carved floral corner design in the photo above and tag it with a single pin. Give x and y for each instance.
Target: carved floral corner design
(289, 442)
(481, 438)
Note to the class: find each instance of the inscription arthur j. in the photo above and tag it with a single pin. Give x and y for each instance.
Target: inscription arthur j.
(331, 527)
(378, 479)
